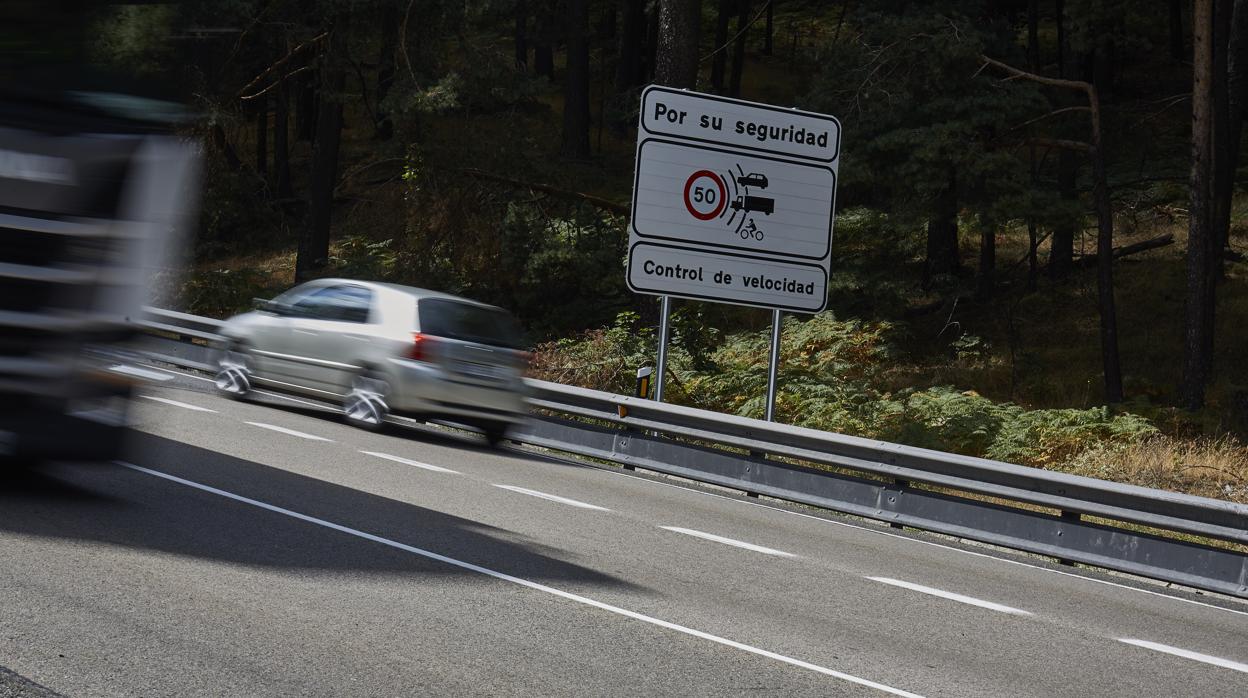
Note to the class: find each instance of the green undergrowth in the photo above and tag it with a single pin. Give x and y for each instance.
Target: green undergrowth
(834, 376)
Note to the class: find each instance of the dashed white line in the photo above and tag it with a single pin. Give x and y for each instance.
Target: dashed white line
(887, 534)
(413, 463)
(552, 498)
(584, 600)
(175, 403)
(139, 372)
(727, 541)
(1187, 654)
(951, 596)
(291, 432)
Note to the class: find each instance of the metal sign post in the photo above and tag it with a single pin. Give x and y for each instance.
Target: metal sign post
(773, 366)
(662, 368)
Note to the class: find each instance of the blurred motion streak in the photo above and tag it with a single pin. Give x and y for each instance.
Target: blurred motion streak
(95, 191)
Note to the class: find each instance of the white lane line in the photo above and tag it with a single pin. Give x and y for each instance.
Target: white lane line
(140, 372)
(1186, 654)
(413, 463)
(292, 432)
(531, 585)
(175, 403)
(181, 373)
(257, 391)
(951, 596)
(552, 498)
(727, 541)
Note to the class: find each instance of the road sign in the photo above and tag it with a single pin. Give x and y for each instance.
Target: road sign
(733, 201)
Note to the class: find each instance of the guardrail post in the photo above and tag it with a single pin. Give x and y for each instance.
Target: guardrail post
(1069, 516)
(901, 485)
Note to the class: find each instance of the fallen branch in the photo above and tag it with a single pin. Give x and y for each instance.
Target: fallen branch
(1151, 244)
(604, 204)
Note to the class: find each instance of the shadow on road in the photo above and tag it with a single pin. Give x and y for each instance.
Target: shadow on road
(116, 506)
(417, 430)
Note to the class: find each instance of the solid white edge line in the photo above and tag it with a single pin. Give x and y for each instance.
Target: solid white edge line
(291, 432)
(970, 600)
(727, 541)
(845, 524)
(413, 463)
(528, 584)
(551, 497)
(175, 403)
(1187, 654)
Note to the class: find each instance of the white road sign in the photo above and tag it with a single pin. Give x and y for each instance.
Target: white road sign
(733, 201)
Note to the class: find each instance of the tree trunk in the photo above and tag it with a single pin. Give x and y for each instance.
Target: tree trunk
(676, 63)
(281, 146)
(1236, 93)
(1033, 64)
(1176, 30)
(261, 106)
(607, 26)
(1063, 47)
(987, 260)
(313, 252)
(628, 68)
(652, 42)
(544, 40)
(1062, 244)
(1033, 35)
(387, 67)
(576, 83)
(942, 233)
(1224, 159)
(738, 49)
(769, 29)
(1196, 328)
(722, 18)
(306, 106)
(521, 35)
(227, 150)
(1111, 365)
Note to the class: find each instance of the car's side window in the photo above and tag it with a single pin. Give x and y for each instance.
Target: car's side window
(340, 303)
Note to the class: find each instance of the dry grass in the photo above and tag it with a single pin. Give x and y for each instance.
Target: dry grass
(1216, 468)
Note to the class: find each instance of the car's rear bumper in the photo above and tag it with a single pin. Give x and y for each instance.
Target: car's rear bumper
(425, 389)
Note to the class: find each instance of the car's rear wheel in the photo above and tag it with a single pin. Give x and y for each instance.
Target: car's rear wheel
(366, 406)
(495, 433)
(234, 371)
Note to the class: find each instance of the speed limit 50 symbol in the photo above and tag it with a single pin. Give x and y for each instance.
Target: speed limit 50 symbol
(705, 195)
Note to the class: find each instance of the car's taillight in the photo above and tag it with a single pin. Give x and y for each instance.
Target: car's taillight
(422, 347)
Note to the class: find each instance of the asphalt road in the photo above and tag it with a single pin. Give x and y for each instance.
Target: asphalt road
(268, 549)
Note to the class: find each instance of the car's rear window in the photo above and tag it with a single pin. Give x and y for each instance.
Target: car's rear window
(467, 322)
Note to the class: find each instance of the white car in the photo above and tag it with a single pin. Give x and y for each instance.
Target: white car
(381, 349)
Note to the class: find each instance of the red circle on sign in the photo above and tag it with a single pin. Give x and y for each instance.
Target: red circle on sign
(723, 195)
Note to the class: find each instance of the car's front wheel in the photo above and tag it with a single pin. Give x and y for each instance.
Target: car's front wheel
(234, 371)
(366, 406)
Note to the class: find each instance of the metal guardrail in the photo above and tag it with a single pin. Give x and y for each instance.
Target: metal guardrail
(1068, 517)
